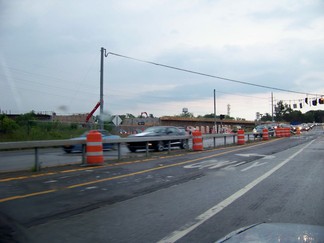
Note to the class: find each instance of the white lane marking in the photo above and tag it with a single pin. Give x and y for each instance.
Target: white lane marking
(231, 166)
(210, 164)
(52, 181)
(202, 164)
(255, 164)
(91, 187)
(257, 155)
(241, 163)
(220, 164)
(186, 229)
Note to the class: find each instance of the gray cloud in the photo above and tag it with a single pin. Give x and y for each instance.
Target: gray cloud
(51, 52)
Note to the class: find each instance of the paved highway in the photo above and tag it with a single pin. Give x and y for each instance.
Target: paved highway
(184, 197)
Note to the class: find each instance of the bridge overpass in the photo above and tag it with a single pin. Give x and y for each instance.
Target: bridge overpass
(206, 125)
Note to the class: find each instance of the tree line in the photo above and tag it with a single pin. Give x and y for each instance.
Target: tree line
(284, 113)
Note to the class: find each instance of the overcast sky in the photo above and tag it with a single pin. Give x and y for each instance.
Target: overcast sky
(50, 55)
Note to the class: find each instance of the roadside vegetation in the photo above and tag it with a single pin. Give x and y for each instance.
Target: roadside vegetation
(284, 113)
(26, 127)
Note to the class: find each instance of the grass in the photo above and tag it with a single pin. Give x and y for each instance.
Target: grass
(44, 131)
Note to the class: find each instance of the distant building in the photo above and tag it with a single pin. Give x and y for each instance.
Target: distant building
(75, 118)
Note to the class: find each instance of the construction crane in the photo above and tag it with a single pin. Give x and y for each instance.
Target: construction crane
(145, 114)
(91, 113)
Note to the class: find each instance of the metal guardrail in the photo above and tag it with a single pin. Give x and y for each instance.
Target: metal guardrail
(58, 143)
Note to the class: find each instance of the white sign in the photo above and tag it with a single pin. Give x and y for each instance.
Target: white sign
(117, 120)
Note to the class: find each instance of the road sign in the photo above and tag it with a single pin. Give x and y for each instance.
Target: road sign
(117, 120)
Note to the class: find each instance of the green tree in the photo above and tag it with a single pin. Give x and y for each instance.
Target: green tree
(7, 125)
(211, 115)
(129, 115)
(319, 116)
(281, 111)
(186, 114)
(266, 117)
(24, 120)
(294, 116)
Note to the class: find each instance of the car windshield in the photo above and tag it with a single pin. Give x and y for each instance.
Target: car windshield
(155, 129)
(183, 94)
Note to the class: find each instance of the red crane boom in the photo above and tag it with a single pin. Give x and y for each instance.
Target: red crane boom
(93, 111)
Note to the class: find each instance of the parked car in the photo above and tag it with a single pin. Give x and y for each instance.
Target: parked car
(258, 130)
(78, 147)
(158, 145)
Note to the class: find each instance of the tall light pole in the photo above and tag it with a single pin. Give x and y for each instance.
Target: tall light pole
(272, 107)
(103, 54)
(215, 124)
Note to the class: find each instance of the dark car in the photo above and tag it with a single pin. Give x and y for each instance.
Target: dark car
(159, 145)
(78, 147)
(258, 130)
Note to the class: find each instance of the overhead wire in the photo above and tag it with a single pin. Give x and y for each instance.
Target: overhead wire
(212, 76)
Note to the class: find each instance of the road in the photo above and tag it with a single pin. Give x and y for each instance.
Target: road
(183, 197)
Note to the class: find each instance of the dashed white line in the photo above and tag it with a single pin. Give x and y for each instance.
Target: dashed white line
(178, 234)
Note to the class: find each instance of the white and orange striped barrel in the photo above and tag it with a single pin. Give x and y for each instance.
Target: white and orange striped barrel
(197, 142)
(265, 134)
(240, 137)
(94, 148)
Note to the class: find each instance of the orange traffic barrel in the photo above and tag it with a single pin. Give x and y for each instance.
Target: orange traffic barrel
(197, 142)
(284, 132)
(288, 132)
(94, 148)
(240, 137)
(265, 134)
(278, 132)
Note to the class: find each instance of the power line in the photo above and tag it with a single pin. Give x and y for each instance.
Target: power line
(212, 76)
(248, 96)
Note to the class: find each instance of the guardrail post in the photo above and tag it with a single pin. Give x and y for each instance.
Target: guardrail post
(214, 138)
(169, 147)
(37, 165)
(83, 154)
(233, 139)
(224, 140)
(119, 152)
(147, 149)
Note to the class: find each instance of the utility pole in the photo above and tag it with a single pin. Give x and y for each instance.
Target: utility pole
(272, 106)
(103, 54)
(215, 123)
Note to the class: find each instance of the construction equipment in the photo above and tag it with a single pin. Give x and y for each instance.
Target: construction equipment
(91, 113)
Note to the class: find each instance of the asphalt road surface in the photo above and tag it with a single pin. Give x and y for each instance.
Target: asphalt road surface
(182, 197)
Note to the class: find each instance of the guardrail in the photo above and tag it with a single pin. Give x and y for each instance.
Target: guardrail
(36, 145)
